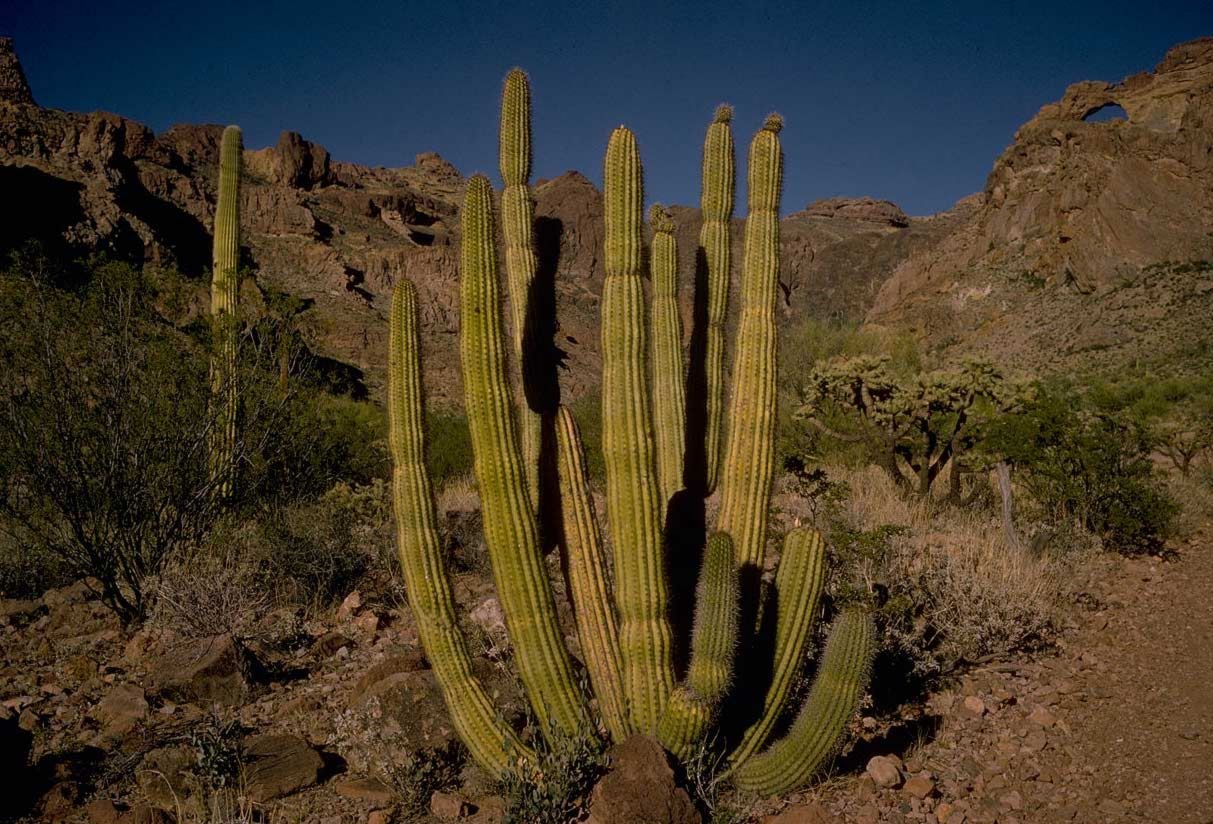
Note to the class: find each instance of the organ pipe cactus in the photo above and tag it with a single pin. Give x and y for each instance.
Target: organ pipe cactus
(620, 597)
(224, 287)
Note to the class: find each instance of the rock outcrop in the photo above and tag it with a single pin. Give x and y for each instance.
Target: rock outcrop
(13, 86)
(1090, 235)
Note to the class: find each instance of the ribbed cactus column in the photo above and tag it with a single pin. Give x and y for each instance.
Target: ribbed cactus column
(589, 585)
(669, 403)
(750, 458)
(518, 217)
(692, 706)
(798, 584)
(510, 527)
(716, 205)
(224, 289)
(627, 444)
(817, 731)
(492, 742)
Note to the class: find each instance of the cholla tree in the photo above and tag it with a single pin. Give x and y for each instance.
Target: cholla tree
(911, 427)
(620, 592)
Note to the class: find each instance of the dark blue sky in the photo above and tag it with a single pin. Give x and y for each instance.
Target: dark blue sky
(910, 101)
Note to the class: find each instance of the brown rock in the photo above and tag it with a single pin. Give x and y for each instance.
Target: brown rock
(974, 706)
(208, 669)
(164, 777)
(859, 208)
(278, 765)
(640, 788)
(812, 813)
(408, 659)
(919, 786)
(883, 771)
(328, 644)
(371, 790)
(14, 88)
(448, 806)
(1041, 715)
(123, 707)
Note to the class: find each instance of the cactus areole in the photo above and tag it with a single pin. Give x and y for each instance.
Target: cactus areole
(621, 590)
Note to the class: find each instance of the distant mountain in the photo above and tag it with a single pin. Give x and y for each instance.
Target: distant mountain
(1073, 212)
(1091, 246)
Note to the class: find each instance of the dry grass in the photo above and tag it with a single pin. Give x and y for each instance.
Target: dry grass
(459, 495)
(964, 593)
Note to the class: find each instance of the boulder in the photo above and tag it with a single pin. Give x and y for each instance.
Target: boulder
(640, 788)
(216, 669)
(278, 765)
(122, 708)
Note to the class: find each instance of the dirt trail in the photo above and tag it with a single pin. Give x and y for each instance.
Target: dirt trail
(1146, 726)
(1114, 725)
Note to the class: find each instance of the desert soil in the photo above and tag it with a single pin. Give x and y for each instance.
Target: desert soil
(1114, 725)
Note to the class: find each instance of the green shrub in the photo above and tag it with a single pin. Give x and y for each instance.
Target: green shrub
(449, 445)
(555, 788)
(1089, 464)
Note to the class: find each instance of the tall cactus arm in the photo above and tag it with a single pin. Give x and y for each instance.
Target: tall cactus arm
(518, 216)
(224, 289)
(693, 705)
(797, 592)
(510, 527)
(817, 732)
(669, 403)
(750, 456)
(492, 743)
(716, 205)
(627, 444)
(593, 606)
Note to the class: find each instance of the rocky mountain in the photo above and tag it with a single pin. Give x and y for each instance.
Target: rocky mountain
(1091, 246)
(338, 235)
(1086, 244)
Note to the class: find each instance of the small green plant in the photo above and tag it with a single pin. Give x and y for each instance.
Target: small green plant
(216, 746)
(554, 787)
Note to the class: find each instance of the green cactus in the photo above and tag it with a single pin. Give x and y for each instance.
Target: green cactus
(750, 458)
(719, 179)
(693, 704)
(798, 584)
(625, 635)
(492, 742)
(224, 325)
(510, 528)
(518, 217)
(633, 511)
(818, 728)
(588, 579)
(669, 403)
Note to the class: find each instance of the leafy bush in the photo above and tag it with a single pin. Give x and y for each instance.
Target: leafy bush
(556, 787)
(448, 444)
(1087, 464)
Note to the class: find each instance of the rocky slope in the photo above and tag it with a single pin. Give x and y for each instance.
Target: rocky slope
(1090, 246)
(339, 235)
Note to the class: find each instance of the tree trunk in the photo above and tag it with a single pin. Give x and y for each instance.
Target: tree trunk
(1003, 470)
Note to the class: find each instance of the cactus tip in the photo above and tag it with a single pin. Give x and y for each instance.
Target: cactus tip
(724, 113)
(773, 123)
(659, 219)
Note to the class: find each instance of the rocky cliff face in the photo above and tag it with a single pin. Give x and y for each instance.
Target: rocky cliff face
(1073, 212)
(339, 235)
(1090, 243)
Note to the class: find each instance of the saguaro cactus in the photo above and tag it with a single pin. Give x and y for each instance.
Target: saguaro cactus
(715, 242)
(517, 217)
(669, 402)
(625, 634)
(224, 288)
(510, 527)
(627, 443)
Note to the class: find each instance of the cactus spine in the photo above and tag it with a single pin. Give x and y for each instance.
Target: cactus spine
(750, 458)
(510, 527)
(669, 402)
(815, 734)
(492, 743)
(588, 584)
(627, 444)
(518, 216)
(625, 636)
(224, 289)
(719, 178)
